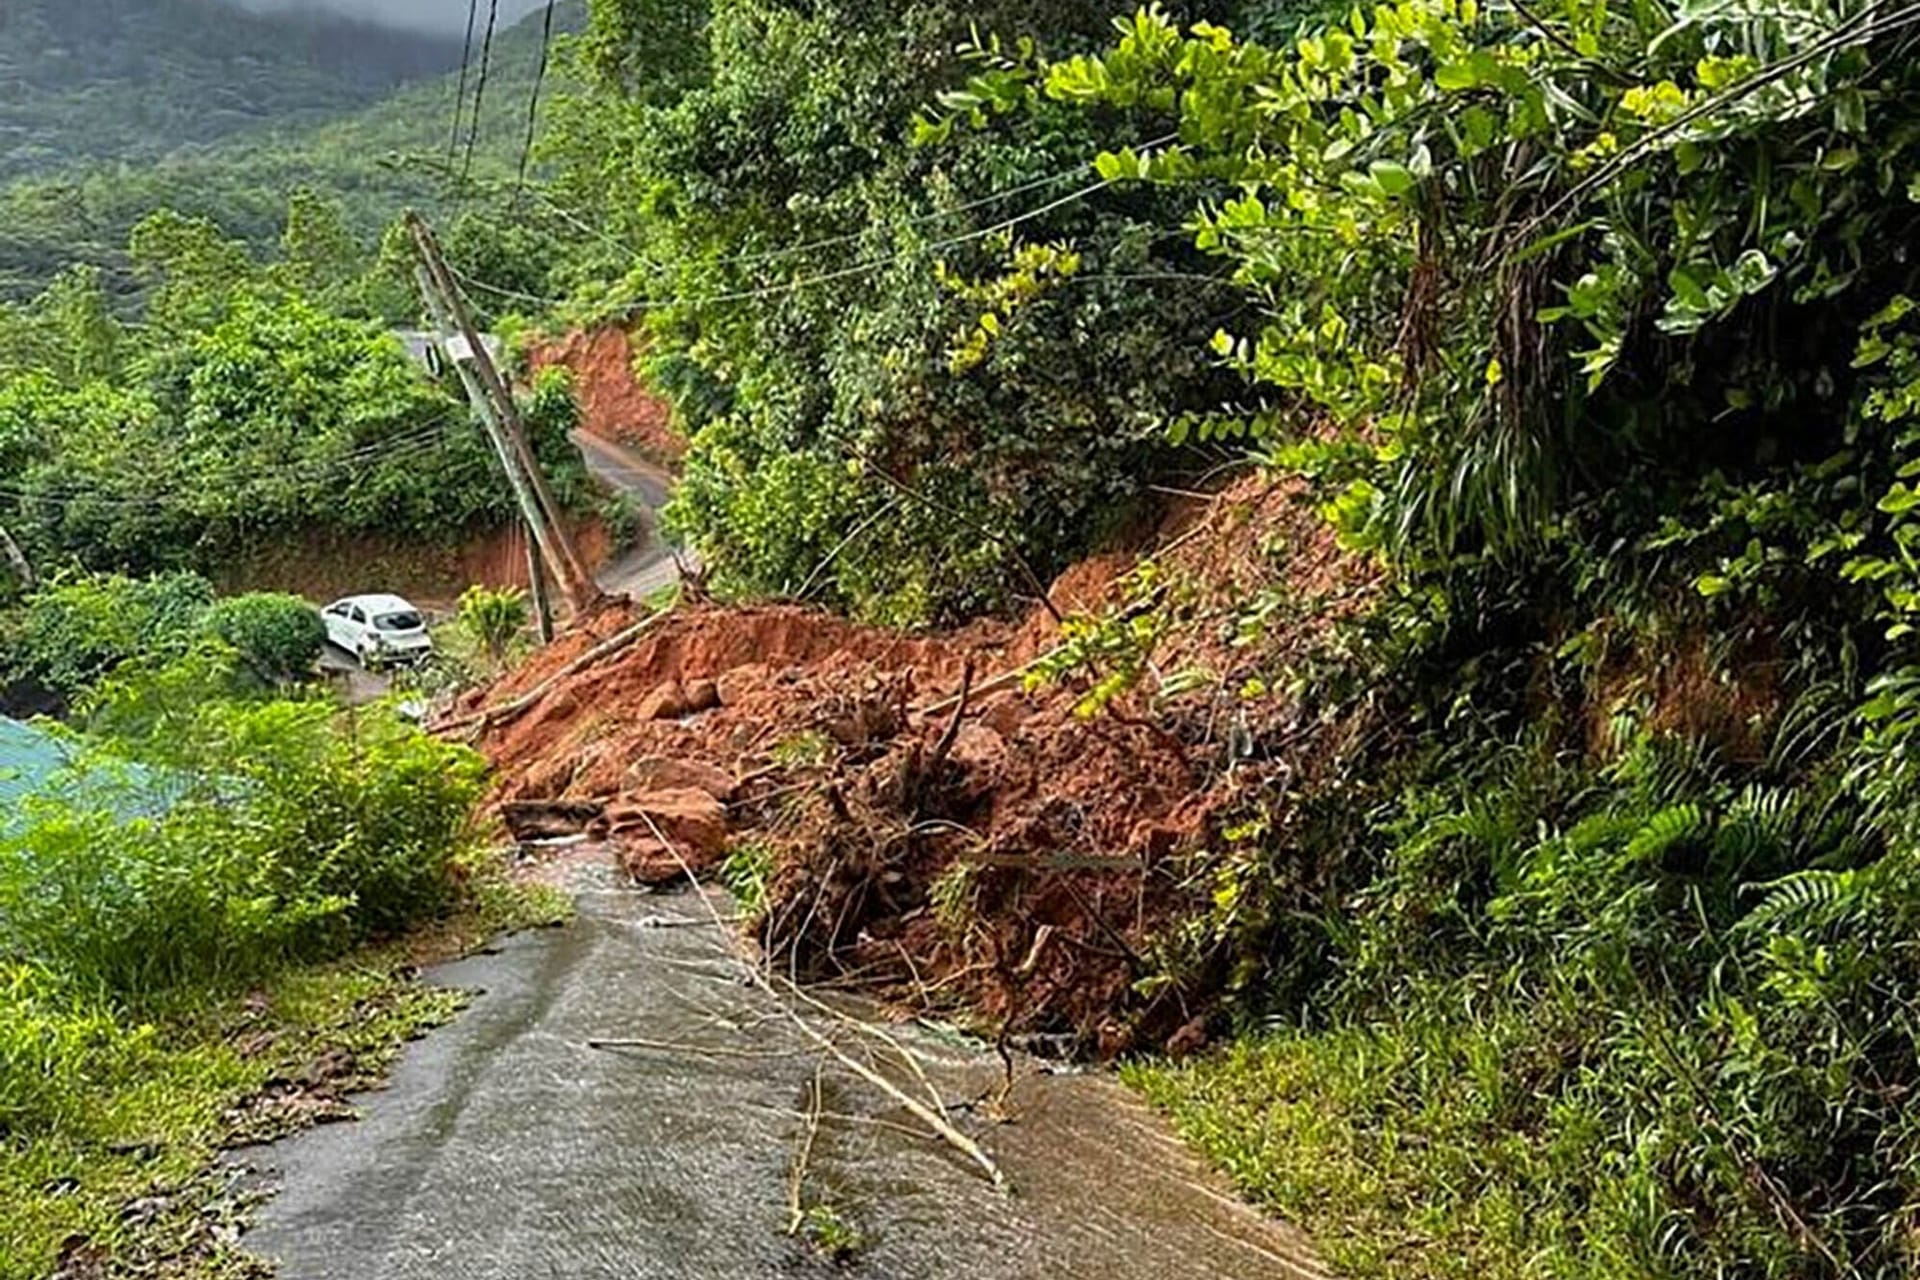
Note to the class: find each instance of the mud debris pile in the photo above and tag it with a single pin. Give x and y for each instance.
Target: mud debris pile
(914, 818)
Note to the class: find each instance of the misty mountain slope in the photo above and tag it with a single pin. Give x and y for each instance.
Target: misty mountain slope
(136, 79)
(376, 160)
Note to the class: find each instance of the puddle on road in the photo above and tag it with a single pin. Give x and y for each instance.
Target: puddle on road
(506, 1147)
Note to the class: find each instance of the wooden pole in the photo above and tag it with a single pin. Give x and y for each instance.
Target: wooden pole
(540, 539)
(542, 598)
(575, 580)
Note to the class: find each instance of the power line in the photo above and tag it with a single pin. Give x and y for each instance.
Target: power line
(573, 219)
(480, 89)
(428, 433)
(533, 99)
(460, 98)
(865, 267)
(810, 246)
(998, 197)
(164, 500)
(420, 443)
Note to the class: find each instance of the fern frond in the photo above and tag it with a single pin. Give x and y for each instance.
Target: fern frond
(1667, 830)
(1816, 899)
(1763, 824)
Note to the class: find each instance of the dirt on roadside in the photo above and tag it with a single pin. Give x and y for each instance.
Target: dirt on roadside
(325, 565)
(1004, 855)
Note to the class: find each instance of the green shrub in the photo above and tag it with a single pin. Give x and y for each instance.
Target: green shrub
(279, 637)
(76, 629)
(747, 871)
(52, 1049)
(265, 832)
(493, 620)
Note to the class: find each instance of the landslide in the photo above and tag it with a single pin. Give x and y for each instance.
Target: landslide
(918, 817)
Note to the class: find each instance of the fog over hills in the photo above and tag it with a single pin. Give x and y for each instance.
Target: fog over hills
(425, 15)
(108, 79)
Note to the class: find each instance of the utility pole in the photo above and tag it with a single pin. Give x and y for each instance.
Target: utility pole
(539, 540)
(542, 597)
(501, 417)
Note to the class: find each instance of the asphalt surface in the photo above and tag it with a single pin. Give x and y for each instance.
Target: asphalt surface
(506, 1146)
(650, 567)
(359, 685)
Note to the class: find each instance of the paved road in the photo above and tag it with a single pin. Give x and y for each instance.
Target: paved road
(649, 567)
(360, 686)
(507, 1147)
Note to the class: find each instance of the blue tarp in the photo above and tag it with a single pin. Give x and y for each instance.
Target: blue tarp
(34, 762)
(28, 760)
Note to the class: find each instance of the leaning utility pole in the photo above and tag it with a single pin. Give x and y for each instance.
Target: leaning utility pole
(539, 539)
(500, 417)
(542, 597)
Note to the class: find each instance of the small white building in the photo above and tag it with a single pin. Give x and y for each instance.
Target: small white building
(432, 354)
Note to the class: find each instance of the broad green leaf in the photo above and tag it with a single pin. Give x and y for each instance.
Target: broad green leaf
(1393, 178)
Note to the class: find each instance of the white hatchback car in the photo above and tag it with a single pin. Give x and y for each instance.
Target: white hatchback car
(378, 629)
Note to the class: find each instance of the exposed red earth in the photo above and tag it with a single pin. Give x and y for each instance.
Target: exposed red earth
(1002, 855)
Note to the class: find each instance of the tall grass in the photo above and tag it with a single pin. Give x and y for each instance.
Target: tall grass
(1651, 1016)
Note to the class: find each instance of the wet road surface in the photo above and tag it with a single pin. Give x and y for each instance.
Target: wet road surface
(507, 1147)
(649, 567)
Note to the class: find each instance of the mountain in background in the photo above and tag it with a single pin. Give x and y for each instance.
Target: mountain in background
(422, 15)
(378, 150)
(136, 79)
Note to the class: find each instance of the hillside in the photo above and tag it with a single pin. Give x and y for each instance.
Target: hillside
(346, 135)
(104, 79)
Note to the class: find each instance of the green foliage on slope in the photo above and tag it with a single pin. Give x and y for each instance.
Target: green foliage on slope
(253, 401)
(809, 280)
(1582, 943)
(170, 904)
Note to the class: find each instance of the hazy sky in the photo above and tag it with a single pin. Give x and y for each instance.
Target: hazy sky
(436, 15)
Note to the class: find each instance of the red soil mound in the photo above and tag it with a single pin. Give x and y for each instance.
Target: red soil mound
(1000, 853)
(614, 404)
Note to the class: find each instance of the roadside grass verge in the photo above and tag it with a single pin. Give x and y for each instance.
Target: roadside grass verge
(210, 921)
(1325, 1131)
(128, 1178)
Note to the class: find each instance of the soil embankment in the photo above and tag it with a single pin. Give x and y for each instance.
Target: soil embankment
(614, 404)
(326, 566)
(1002, 854)
(629, 444)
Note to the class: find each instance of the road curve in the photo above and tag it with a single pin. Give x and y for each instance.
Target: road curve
(649, 567)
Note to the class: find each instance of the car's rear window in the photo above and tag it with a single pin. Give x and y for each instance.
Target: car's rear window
(398, 622)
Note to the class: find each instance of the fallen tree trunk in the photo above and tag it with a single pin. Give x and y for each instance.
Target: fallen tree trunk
(490, 716)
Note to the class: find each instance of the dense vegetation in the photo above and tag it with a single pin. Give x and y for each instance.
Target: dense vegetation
(1593, 930)
(69, 634)
(1580, 940)
(209, 832)
(1583, 943)
(252, 401)
(815, 284)
(196, 359)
